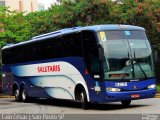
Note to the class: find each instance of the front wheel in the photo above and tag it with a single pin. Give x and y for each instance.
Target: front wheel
(83, 100)
(126, 103)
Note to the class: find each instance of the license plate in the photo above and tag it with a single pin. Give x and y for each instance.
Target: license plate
(135, 96)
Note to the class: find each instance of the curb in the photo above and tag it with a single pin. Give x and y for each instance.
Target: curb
(5, 96)
(157, 96)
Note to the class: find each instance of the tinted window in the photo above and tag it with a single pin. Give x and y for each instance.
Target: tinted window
(89, 42)
(94, 61)
(72, 44)
(61, 46)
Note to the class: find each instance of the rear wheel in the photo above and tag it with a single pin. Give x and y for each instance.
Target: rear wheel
(17, 95)
(126, 103)
(24, 95)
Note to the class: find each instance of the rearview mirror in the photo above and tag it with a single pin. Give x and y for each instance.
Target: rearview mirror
(100, 52)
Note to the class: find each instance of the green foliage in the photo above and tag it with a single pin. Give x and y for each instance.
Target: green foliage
(18, 27)
(91, 12)
(158, 88)
(14, 27)
(41, 22)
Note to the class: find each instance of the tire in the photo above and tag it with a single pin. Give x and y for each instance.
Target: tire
(24, 96)
(17, 96)
(126, 103)
(83, 100)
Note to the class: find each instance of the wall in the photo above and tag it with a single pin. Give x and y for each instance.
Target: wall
(25, 7)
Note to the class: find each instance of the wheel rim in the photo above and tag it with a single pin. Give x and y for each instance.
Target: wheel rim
(24, 95)
(82, 97)
(83, 100)
(16, 94)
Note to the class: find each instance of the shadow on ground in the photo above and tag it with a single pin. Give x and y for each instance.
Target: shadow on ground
(77, 105)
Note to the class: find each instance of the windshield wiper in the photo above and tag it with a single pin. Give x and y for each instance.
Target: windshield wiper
(140, 66)
(134, 61)
(132, 64)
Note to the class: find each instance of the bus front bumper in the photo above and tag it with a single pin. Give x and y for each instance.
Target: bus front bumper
(129, 95)
(124, 96)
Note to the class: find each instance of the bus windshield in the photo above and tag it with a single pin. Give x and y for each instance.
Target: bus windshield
(127, 55)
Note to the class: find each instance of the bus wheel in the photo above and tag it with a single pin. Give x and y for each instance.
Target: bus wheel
(24, 95)
(126, 103)
(17, 95)
(83, 99)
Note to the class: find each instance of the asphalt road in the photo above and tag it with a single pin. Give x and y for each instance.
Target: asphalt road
(72, 109)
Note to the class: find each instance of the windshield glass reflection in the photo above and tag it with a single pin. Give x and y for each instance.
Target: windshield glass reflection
(127, 55)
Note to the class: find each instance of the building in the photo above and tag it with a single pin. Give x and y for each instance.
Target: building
(21, 5)
(41, 7)
(45, 4)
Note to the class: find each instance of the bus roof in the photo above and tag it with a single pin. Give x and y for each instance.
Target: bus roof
(114, 27)
(95, 28)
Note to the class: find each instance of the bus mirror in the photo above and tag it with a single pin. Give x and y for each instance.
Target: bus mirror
(101, 60)
(100, 53)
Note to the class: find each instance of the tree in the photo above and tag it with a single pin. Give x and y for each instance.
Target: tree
(15, 27)
(70, 13)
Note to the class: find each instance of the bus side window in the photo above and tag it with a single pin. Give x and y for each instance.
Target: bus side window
(73, 44)
(6, 54)
(90, 52)
(94, 61)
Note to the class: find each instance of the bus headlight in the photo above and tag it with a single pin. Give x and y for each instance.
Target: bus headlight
(109, 89)
(152, 86)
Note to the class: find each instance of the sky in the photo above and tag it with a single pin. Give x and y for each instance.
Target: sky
(47, 3)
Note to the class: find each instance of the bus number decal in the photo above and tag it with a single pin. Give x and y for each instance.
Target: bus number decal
(121, 84)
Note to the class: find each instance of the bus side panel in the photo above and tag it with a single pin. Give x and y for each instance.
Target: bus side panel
(96, 90)
(32, 91)
(56, 78)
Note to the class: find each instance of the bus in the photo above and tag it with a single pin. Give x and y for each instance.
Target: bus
(91, 64)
